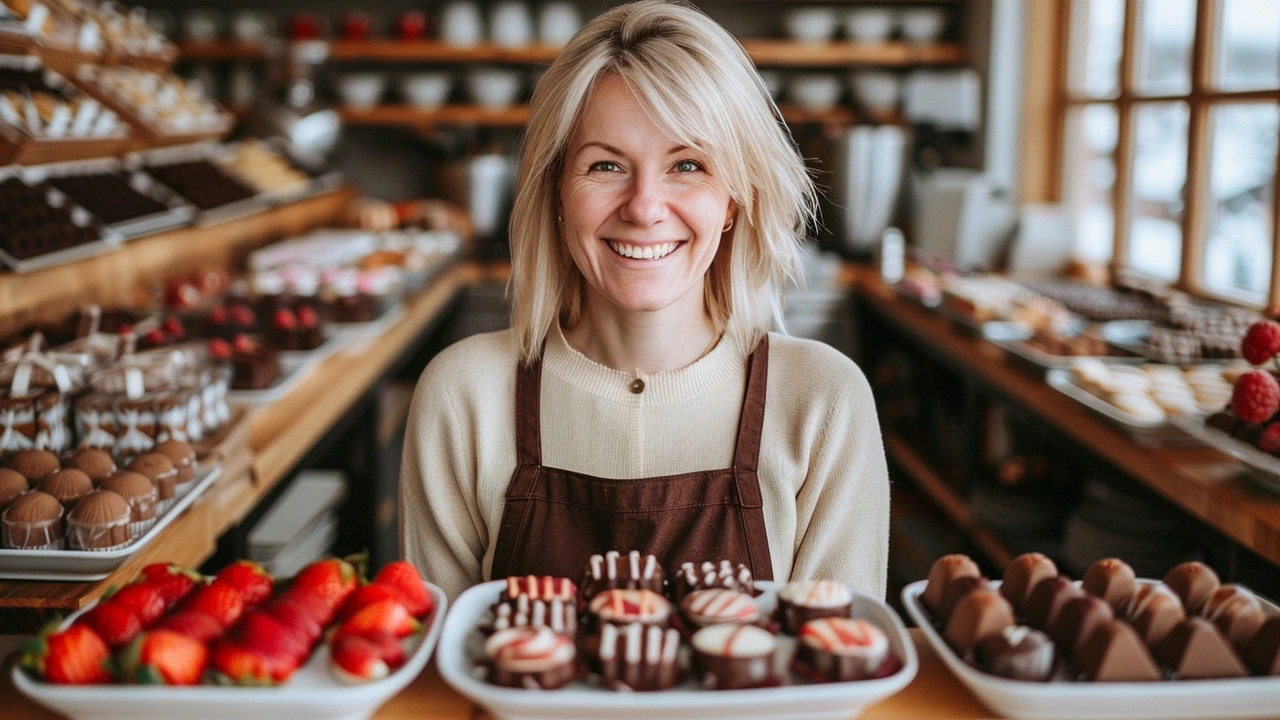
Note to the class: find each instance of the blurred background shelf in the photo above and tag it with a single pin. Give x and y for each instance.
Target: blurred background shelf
(405, 115)
(788, 53)
(432, 51)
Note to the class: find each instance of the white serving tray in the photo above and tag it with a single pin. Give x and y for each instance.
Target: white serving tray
(88, 566)
(1250, 697)
(294, 368)
(580, 700)
(1143, 432)
(1261, 467)
(311, 694)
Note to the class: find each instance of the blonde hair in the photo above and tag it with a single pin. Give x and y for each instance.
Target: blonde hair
(695, 80)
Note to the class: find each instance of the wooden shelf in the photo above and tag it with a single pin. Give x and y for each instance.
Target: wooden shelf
(388, 115)
(789, 53)
(796, 115)
(221, 51)
(438, 52)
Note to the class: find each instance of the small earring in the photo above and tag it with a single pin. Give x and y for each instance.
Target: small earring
(727, 227)
(560, 218)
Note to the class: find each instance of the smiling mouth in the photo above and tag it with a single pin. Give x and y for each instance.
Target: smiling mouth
(643, 252)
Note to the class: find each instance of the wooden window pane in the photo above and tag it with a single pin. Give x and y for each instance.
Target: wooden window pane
(1097, 28)
(1249, 45)
(1158, 190)
(1089, 170)
(1238, 216)
(1166, 31)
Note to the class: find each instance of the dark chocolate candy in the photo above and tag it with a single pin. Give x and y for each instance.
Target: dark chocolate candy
(1046, 601)
(723, 575)
(805, 600)
(945, 570)
(1112, 580)
(1018, 652)
(1115, 653)
(955, 590)
(977, 616)
(1237, 613)
(1022, 574)
(531, 658)
(1194, 582)
(734, 657)
(1080, 616)
(639, 657)
(840, 649)
(1262, 653)
(1195, 650)
(1154, 610)
(613, 570)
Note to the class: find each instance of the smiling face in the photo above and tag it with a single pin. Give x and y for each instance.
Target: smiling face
(642, 214)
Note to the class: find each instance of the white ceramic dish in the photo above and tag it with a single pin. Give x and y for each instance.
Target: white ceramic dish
(870, 24)
(426, 90)
(311, 694)
(812, 25)
(493, 89)
(1251, 697)
(1261, 467)
(362, 90)
(815, 91)
(86, 566)
(580, 700)
(877, 90)
(922, 25)
(1143, 432)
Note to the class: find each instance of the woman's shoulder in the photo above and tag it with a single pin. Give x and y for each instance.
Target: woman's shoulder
(811, 362)
(476, 363)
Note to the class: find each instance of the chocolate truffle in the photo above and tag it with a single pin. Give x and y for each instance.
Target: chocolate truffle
(99, 522)
(615, 571)
(12, 484)
(1112, 580)
(955, 590)
(1079, 617)
(712, 607)
(803, 600)
(1195, 650)
(979, 615)
(840, 649)
(1115, 653)
(141, 495)
(708, 575)
(1237, 613)
(557, 614)
(34, 521)
(1153, 611)
(734, 657)
(1022, 574)
(182, 456)
(1046, 601)
(95, 463)
(1193, 582)
(531, 658)
(546, 587)
(33, 464)
(1018, 652)
(623, 607)
(639, 657)
(1262, 653)
(68, 486)
(160, 470)
(945, 570)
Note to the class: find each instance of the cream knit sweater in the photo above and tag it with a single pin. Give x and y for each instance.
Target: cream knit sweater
(822, 469)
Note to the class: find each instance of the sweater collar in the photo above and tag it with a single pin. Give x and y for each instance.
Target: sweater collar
(726, 362)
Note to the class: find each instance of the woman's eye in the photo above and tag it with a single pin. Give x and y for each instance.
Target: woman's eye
(687, 166)
(604, 166)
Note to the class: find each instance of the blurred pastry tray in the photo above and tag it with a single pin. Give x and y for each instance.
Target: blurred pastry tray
(310, 358)
(311, 694)
(1130, 336)
(1248, 697)
(1144, 432)
(372, 328)
(1012, 337)
(148, 133)
(322, 179)
(1262, 468)
(458, 653)
(19, 146)
(209, 152)
(107, 241)
(179, 212)
(88, 565)
(292, 372)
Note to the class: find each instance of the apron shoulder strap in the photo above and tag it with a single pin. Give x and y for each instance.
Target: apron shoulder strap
(529, 413)
(746, 452)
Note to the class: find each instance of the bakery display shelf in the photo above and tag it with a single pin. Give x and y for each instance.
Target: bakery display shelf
(1248, 697)
(311, 694)
(1150, 433)
(307, 359)
(322, 178)
(790, 53)
(407, 115)
(20, 148)
(146, 133)
(108, 239)
(222, 50)
(179, 212)
(207, 151)
(457, 659)
(1012, 337)
(439, 52)
(61, 58)
(1260, 467)
(89, 566)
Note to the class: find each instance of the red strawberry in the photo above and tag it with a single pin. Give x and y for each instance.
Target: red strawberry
(264, 633)
(1270, 440)
(172, 582)
(249, 579)
(237, 665)
(125, 329)
(75, 656)
(242, 316)
(164, 657)
(284, 319)
(354, 660)
(193, 624)
(403, 577)
(220, 602)
(173, 327)
(219, 315)
(384, 616)
(1262, 342)
(144, 601)
(299, 613)
(219, 349)
(1256, 396)
(115, 624)
(155, 337)
(307, 317)
(331, 580)
(366, 595)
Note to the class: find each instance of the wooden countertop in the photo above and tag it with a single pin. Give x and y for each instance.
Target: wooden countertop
(933, 694)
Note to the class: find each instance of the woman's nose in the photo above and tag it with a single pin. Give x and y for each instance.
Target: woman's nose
(647, 204)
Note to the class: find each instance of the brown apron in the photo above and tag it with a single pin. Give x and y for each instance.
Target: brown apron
(554, 520)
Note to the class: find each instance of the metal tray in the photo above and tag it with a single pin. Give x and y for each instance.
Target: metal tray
(1262, 468)
(107, 241)
(198, 151)
(1144, 433)
(88, 566)
(293, 370)
(1012, 338)
(1249, 697)
(179, 213)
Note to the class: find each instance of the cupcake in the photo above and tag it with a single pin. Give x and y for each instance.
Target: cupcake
(160, 470)
(639, 657)
(183, 458)
(12, 484)
(532, 658)
(34, 464)
(141, 495)
(623, 607)
(712, 607)
(68, 486)
(99, 522)
(95, 463)
(33, 522)
(805, 600)
(734, 657)
(839, 649)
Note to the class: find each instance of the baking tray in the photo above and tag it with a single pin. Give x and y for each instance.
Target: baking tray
(1262, 468)
(1012, 338)
(1146, 433)
(1250, 697)
(179, 213)
(88, 566)
(579, 700)
(198, 151)
(311, 694)
(107, 242)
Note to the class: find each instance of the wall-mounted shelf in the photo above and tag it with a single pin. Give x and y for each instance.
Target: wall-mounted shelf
(221, 51)
(789, 53)
(438, 52)
(518, 115)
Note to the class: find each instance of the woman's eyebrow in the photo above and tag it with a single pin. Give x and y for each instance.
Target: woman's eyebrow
(609, 148)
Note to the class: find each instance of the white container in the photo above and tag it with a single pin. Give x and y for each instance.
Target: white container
(426, 90)
(812, 25)
(877, 90)
(815, 91)
(923, 25)
(870, 24)
(843, 700)
(558, 22)
(362, 90)
(511, 24)
(461, 25)
(1249, 697)
(494, 89)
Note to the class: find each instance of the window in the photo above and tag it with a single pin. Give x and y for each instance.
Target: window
(1170, 135)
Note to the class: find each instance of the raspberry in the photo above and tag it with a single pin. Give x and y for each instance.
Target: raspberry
(1262, 342)
(1256, 397)
(1270, 440)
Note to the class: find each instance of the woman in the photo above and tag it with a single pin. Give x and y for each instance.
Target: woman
(638, 401)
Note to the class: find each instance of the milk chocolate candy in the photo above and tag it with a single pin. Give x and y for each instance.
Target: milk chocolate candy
(723, 575)
(1237, 613)
(615, 571)
(1194, 582)
(1262, 652)
(1115, 653)
(840, 649)
(639, 657)
(955, 590)
(1195, 650)
(734, 657)
(1021, 576)
(977, 616)
(531, 658)
(1079, 617)
(1046, 601)
(1112, 580)
(804, 600)
(1154, 610)
(1017, 652)
(945, 570)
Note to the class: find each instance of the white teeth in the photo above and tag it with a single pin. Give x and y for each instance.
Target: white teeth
(647, 252)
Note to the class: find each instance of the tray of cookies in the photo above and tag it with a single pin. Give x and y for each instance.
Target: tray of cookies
(625, 643)
(1039, 645)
